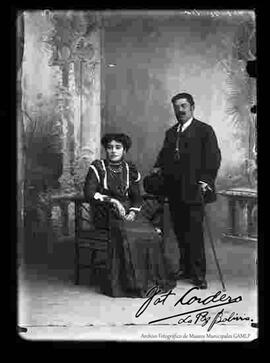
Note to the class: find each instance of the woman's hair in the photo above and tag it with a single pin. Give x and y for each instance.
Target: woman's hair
(125, 140)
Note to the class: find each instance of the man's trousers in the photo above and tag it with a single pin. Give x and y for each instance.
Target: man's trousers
(187, 220)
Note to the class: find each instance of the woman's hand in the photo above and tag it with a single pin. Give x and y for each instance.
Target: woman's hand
(119, 206)
(100, 197)
(130, 216)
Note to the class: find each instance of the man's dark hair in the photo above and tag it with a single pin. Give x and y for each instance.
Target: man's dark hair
(183, 95)
(125, 140)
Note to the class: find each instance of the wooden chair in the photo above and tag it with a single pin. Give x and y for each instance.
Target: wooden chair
(95, 237)
(90, 235)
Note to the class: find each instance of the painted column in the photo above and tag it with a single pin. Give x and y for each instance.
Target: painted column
(76, 43)
(90, 101)
(86, 95)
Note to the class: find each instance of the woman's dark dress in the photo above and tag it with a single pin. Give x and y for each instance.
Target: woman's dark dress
(136, 261)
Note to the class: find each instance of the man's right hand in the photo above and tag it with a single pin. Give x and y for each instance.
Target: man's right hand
(156, 171)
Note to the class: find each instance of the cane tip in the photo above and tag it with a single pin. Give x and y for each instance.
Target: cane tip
(224, 289)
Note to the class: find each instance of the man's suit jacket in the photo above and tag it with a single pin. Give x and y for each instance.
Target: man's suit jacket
(200, 160)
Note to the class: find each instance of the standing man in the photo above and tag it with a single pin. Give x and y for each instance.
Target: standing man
(189, 161)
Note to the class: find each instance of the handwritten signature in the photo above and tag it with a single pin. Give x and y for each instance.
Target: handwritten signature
(188, 298)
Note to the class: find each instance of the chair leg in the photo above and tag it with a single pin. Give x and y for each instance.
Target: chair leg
(92, 268)
(76, 265)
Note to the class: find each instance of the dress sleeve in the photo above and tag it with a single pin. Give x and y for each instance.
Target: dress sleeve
(134, 189)
(91, 184)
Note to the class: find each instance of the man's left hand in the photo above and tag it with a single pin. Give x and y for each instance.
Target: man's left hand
(204, 186)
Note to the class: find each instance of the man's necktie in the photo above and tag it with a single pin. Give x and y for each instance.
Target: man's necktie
(177, 146)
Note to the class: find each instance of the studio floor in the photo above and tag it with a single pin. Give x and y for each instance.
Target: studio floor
(51, 307)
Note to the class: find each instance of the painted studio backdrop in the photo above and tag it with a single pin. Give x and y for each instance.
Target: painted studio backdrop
(83, 73)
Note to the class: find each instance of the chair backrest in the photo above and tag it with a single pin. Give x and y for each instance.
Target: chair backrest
(91, 216)
(101, 215)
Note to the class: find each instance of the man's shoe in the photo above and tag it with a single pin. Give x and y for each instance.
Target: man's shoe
(201, 284)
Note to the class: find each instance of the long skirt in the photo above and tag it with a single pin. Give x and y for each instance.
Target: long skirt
(135, 260)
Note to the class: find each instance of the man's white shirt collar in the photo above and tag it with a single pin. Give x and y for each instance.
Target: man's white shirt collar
(186, 125)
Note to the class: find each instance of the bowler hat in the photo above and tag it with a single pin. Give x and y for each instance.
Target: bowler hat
(154, 184)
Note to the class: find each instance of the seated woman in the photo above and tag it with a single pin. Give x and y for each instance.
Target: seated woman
(136, 261)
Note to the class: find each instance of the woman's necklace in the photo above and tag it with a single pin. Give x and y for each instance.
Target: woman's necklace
(115, 168)
(116, 176)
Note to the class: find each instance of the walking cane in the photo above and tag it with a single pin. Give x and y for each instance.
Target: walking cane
(212, 242)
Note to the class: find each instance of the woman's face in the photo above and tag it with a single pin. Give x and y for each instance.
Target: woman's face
(115, 151)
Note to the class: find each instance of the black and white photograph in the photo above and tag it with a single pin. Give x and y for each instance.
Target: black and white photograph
(136, 175)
